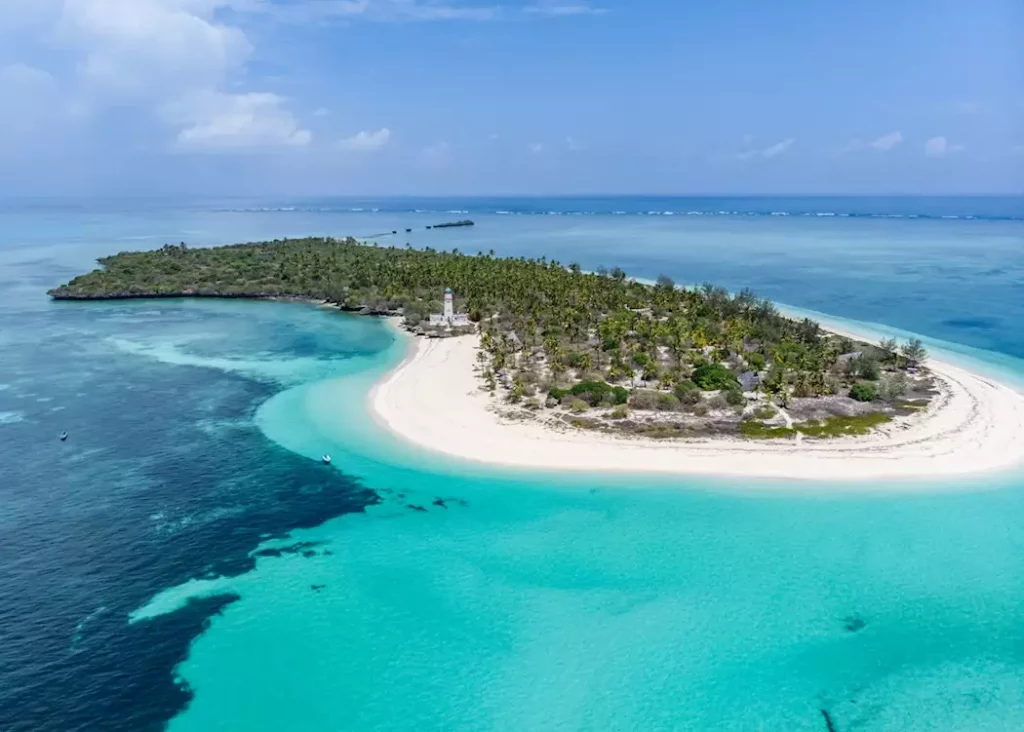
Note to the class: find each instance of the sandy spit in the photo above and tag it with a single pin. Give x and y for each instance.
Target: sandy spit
(433, 399)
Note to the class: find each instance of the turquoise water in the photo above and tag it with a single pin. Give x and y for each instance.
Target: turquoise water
(517, 600)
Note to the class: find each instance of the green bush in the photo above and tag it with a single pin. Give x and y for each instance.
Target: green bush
(765, 412)
(593, 393)
(620, 412)
(755, 360)
(579, 406)
(687, 392)
(644, 399)
(865, 367)
(735, 398)
(717, 402)
(668, 403)
(714, 376)
(864, 391)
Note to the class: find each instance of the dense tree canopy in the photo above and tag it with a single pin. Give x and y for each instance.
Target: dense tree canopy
(548, 331)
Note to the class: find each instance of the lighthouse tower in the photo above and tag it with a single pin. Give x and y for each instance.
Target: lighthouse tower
(449, 306)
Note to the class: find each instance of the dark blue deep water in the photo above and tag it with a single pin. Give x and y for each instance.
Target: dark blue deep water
(163, 477)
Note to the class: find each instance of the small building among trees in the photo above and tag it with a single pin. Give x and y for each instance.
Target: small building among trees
(449, 317)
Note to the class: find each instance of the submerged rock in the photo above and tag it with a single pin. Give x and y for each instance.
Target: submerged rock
(853, 623)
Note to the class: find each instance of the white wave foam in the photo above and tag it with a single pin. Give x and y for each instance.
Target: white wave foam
(11, 417)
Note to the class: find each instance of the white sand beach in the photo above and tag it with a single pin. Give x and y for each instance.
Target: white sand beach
(434, 399)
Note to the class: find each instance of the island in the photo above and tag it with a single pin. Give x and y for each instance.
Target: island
(573, 364)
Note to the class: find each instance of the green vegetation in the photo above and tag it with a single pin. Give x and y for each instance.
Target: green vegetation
(864, 391)
(550, 334)
(734, 397)
(578, 406)
(620, 412)
(842, 426)
(714, 376)
(593, 393)
(832, 427)
(687, 392)
(757, 430)
(914, 352)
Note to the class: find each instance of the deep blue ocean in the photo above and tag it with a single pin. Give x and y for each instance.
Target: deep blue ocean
(184, 560)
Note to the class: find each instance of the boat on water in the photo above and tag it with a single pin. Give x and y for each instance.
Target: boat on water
(63, 436)
(326, 459)
(452, 224)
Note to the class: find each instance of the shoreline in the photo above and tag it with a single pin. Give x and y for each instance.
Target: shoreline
(433, 399)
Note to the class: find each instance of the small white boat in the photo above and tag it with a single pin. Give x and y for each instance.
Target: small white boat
(63, 436)
(326, 459)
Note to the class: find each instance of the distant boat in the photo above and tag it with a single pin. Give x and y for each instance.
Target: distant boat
(326, 459)
(450, 224)
(63, 436)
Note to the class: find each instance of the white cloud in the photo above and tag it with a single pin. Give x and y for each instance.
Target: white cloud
(321, 112)
(778, 148)
(884, 143)
(373, 10)
(556, 8)
(939, 146)
(366, 141)
(177, 58)
(152, 47)
(537, 148)
(216, 121)
(887, 142)
(768, 152)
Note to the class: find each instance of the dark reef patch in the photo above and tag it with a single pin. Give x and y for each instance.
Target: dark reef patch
(144, 499)
(977, 323)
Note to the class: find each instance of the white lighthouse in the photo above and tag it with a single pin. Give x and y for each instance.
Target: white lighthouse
(449, 306)
(449, 318)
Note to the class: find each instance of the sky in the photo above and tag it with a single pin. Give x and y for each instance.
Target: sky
(440, 97)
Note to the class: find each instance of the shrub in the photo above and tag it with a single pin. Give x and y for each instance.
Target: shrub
(594, 393)
(734, 398)
(865, 367)
(578, 360)
(701, 409)
(529, 377)
(755, 360)
(760, 431)
(687, 392)
(864, 391)
(765, 412)
(894, 387)
(644, 399)
(714, 376)
(532, 403)
(717, 402)
(668, 403)
(578, 406)
(620, 412)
